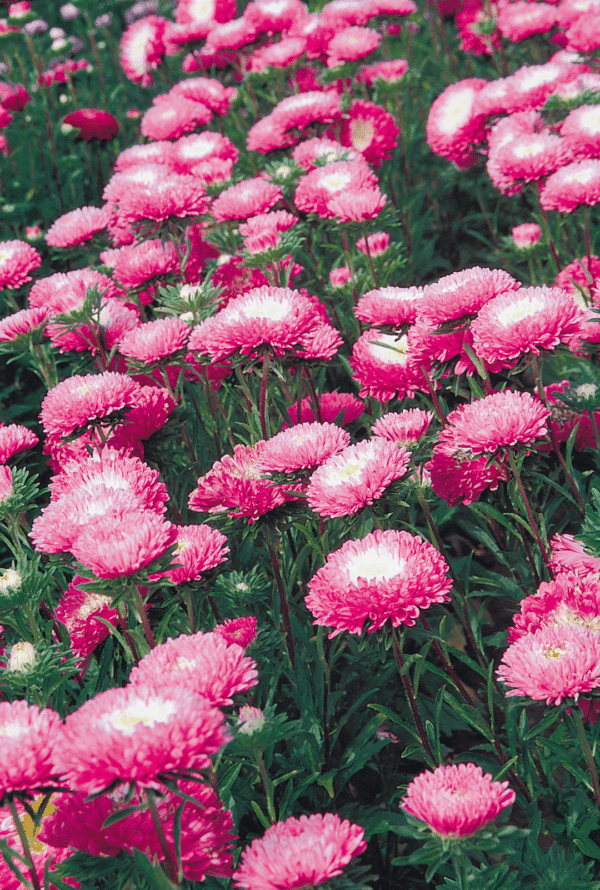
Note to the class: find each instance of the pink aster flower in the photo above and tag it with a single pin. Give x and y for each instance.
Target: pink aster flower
(247, 198)
(189, 11)
(569, 555)
(571, 599)
(79, 400)
(199, 548)
(351, 44)
(322, 149)
(303, 446)
(501, 420)
(574, 184)
(341, 13)
(526, 235)
(454, 126)
(459, 475)
(370, 130)
(236, 485)
(580, 277)
(386, 576)
(530, 86)
(21, 323)
(333, 407)
(383, 366)
(297, 112)
(172, 117)
(277, 220)
(207, 90)
(393, 306)
(17, 260)
(299, 853)
(581, 132)
(375, 244)
(277, 55)
(403, 427)
(149, 153)
(457, 800)
(43, 856)
(357, 206)
(552, 664)
(29, 739)
(155, 340)
(122, 544)
(176, 194)
(270, 18)
(526, 159)
(391, 71)
(522, 321)
(277, 317)
(231, 35)
(139, 734)
(241, 631)
(15, 438)
(64, 292)
(137, 265)
(520, 20)
(476, 26)
(203, 663)
(355, 477)
(142, 48)
(77, 226)
(79, 611)
(317, 188)
(463, 294)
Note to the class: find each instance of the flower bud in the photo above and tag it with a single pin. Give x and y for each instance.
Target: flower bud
(22, 657)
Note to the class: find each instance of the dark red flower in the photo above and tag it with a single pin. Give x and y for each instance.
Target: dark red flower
(93, 123)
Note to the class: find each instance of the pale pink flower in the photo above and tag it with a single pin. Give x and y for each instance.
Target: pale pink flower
(232, 35)
(299, 853)
(527, 159)
(208, 11)
(149, 153)
(139, 734)
(277, 55)
(463, 294)
(303, 446)
(554, 663)
(454, 126)
(277, 220)
(355, 477)
(155, 340)
(17, 260)
(77, 226)
(15, 438)
(29, 739)
(375, 244)
(520, 20)
(173, 116)
(357, 206)
(351, 44)
(403, 427)
(190, 151)
(175, 194)
(142, 48)
(270, 18)
(392, 306)
(574, 184)
(247, 198)
(457, 800)
(390, 71)
(321, 149)
(317, 188)
(207, 90)
(386, 576)
(78, 401)
(581, 131)
(21, 323)
(63, 292)
(136, 265)
(526, 235)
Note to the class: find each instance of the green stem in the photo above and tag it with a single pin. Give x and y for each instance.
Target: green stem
(170, 861)
(530, 515)
(410, 694)
(285, 610)
(139, 605)
(267, 786)
(24, 842)
(587, 751)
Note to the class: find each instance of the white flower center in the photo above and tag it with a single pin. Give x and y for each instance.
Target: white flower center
(390, 351)
(374, 565)
(519, 310)
(456, 111)
(140, 713)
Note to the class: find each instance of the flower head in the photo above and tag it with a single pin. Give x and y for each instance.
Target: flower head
(299, 853)
(386, 576)
(77, 226)
(457, 800)
(369, 130)
(28, 737)
(17, 260)
(303, 446)
(76, 401)
(93, 123)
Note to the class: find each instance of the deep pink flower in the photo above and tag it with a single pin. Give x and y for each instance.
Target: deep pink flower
(524, 321)
(382, 364)
(569, 555)
(403, 427)
(552, 664)
(303, 446)
(386, 576)
(370, 130)
(572, 185)
(375, 244)
(454, 126)
(580, 278)
(203, 663)
(137, 265)
(79, 400)
(199, 548)
(189, 151)
(457, 800)
(191, 11)
(142, 48)
(236, 485)
(334, 407)
(277, 55)
(571, 599)
(13, 96)
(77, 226)
(28, 741)
(476, 26)
(6, 483)
(93, 123)
(79, 610)
(17, 260)
(155, 340)
(15, 438)
(270, 18)
(526, 159)
(43, 856)
(238, 630)
(321, 149)
(459, 475)
(317, 188)
(139, 733)
(355, 477)
(297, 853)
(526, 235)
(390, 71)
(357, 206)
